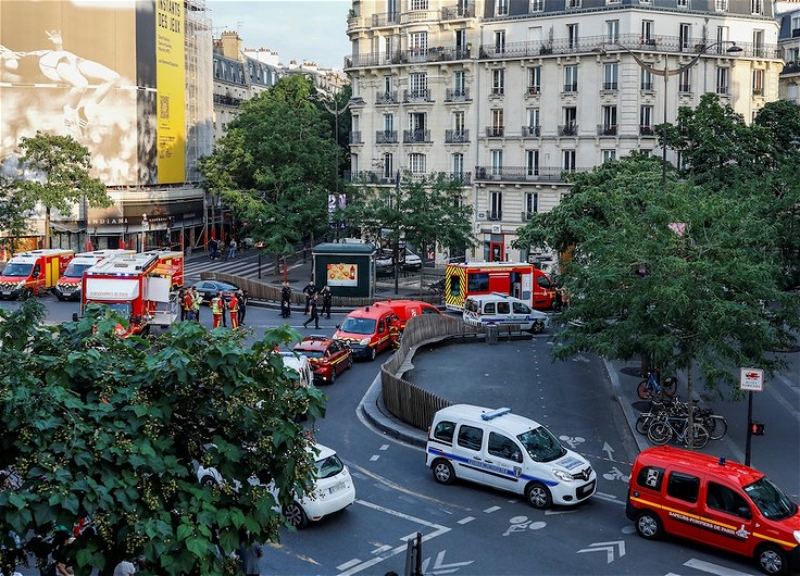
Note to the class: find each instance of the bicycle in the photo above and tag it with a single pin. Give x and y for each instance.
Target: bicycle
(650, 387)
(716, 424)
(678, 427)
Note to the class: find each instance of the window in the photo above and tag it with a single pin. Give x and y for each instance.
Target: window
(758, 43)
(572, 35)
(571, 78)
(650, 477)
(532, 169)
(721, 5)
(537, 5)
(646, 121)
(470, 437)
(724, 499)
(503, 307)
(418, 43)
(458, 122)
(388, 123)
(569, 160)
(531, 203)
(387, 84)
(457, 163)
(647, 32)
(497, 162)
(647, 80)
(354, 163)
(534, 79)
(610, 75)
(388, 165)
(495, 210)
(418, 84)
(533, 121)
(612, 31)
(498, 81)
(757, 7)
(461, 43)
(500, 41)
(609, 114)
(722, 80)
(570, 116)
(444, 431)
(520, 308)
(501, 7)
(572, 4)
(416, 163)
(497, 121)
(683, 3)
(685, 81)
(683, 486)
(609, 155)
(503, 447)
(758, 82)
(460, 82)
(419, 4)
(416, 123)
(477, 283)
(684, 35)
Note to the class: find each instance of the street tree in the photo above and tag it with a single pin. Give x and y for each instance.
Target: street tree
(112, 430)
(684, 276)
(275, 166)
(13, 221)
(56, 173)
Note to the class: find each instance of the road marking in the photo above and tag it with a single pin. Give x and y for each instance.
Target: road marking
(349, 563)
(402, 515)
(492, 509)
(608, 450)
(466, 520)
(608, 548)
(439, 567)
(384, 447)
(383, 548)
(713, 568)
(608, 498)
(374, 457)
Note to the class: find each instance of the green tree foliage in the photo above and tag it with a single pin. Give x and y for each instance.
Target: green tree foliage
(12, 211)
(275, 165)
(681, 275)
(113, 429)
(56, 174)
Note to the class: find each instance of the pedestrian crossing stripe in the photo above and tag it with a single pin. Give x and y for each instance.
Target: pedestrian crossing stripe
(710, 568)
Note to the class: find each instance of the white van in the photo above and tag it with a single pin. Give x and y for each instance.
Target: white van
(509, 452)
(503, 309)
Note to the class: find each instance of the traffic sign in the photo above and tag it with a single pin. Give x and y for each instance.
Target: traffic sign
(751, 379)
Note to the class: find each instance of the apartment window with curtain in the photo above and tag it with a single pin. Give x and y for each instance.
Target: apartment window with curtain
(531, 204)
(758, 82)
(612, 30)
(537, 6)
(459, 125)
(497, 162)
(388, 165)
(534, 80)
(498, 123)
(757, 7)
(418, 42)
(416, 163)
(502, 7)
(609, 126)
(387, 85)
(498, 81)
(721, 5)
(532, 115)
(610, 76)
(685, 35)
(646, 80)
(568, 160)
(460, 82)
(646, 121)
(758, 43)
(571, 78)
(495, 205)
(722, 81)
(419, 4)
(572, 35)
(532, 162)
(418, 84)
(457, 164)
(500, 41)
(685, 81)
(647, 32)
(608, 155)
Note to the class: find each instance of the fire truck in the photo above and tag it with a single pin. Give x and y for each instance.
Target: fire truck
(137, 286)
(518, 279)
(32, 273)
(69, 285)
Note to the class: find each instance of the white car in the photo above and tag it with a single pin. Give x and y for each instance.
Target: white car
(333, 489)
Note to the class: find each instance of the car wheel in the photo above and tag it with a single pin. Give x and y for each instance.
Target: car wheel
(295, 515)
(208, 482)
(333, 375)
(772, 560)
(443, 472)
(538, 495)
(350, 361)
(373, 352)
(648, 525)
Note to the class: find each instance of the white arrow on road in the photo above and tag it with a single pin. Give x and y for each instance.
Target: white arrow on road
(608, 450)
(439, 567)
(609, 548)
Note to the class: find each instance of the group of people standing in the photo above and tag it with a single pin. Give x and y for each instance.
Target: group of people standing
(235, 306)
(214, 249)
(312, 296)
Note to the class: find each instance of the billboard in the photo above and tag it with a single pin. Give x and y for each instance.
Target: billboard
(171, 82)
(88, 69)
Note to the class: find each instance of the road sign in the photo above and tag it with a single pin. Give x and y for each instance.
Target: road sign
(751, 379)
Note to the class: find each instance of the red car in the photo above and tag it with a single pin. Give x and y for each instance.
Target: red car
(328, 357)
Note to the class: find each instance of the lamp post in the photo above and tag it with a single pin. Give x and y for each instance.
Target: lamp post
(666, 73)
(336, 112)
(144, 231)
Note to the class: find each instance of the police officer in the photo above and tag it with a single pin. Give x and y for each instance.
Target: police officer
(286, 296)
(327, 296)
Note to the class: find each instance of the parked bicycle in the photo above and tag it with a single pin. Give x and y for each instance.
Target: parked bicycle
(660, 410)
(650, 387)
(678, 428)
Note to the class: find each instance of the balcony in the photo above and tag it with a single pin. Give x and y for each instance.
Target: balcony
(456, 136)
(417, 96)
(533, 91)
(684, 88)
(226, 100)
(355, 137)
(386, 137)
(418, 136)
(609, 86)
(495, 131)
(458, 11)
(568, 129)
(571, 87)
(386, 98)
(531, 131)
(606, 129)
(497, 91)
(494, 215)
(523, 173)
(463, 178)
(646, 131)
(456, 95)
(646, 87)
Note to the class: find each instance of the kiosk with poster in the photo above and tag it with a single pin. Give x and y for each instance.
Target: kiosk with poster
(347, 268)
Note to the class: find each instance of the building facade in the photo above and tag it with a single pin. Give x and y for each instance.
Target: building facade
(508, 95)
(789, 41)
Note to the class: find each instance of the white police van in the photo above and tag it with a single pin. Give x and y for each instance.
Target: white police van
(507, 451)
(503, 309)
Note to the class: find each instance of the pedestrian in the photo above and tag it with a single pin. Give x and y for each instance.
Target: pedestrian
(286, 298)
(197, 300)
(232, 248)
(217, 309)
(181, 299)
(309, 290)
(327, 297)
(233, 309)
(312, 311)
(224, 308)
(186, 302)
(212, 249)
(242, 306)
(250, 556)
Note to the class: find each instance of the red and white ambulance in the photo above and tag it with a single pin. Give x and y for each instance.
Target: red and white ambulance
(69, 285)
(516, 279)
(32, 273)
(137, 286)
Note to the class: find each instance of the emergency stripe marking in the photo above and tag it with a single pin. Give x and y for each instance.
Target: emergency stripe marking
(490, 468)
(706, 524)
(455, 274)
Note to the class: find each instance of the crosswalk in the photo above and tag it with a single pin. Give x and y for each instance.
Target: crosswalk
(709, 568)
(245, 267)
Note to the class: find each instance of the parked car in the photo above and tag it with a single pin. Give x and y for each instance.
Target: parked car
(328, 357)
(412, 261)
(208, 289)
(384, 260)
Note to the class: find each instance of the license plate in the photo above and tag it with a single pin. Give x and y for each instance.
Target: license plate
(336, 488)
(585, 490)
(6, 293)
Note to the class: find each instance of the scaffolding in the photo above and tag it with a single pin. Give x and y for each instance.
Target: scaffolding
(199, 86)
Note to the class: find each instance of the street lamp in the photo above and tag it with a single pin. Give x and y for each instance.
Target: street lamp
(336, 112)
(666, 73)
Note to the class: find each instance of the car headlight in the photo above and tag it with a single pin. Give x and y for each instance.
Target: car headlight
(561, 475)
(796, 535)
(364, 341)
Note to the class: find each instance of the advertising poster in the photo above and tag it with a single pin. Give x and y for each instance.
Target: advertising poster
(342, 274)
(171, 82)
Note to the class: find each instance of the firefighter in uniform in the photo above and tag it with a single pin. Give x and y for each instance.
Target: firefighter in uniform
(233, 308)
(217, 309)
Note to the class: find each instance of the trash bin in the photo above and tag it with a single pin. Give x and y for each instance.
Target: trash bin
(492, 333)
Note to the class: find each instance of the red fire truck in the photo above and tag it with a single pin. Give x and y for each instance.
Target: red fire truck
(69, 285)
(32, 273)
(517, 279)
(137, 286)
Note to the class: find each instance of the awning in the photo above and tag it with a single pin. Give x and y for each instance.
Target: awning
(106, 289)
(65, 227)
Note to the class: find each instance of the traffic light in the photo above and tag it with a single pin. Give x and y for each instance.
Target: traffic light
(756, 428)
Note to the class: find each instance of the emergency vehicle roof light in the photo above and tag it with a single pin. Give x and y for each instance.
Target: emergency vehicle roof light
(495, 413)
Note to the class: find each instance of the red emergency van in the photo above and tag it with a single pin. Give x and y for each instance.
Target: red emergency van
(518, 279)
(32, 273)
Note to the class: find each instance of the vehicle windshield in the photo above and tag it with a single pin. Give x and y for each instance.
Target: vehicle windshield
(471, 306)
(76, 270)
(770, 499)
(313, 354)
(541, 445)
(358, 326)
(329, 466)
(17, 269)
(121, 308)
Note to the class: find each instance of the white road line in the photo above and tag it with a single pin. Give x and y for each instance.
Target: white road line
(348, 564)
(714, 568)
(492, 509)
(466, 520)
(384, 447)
(402, 515)
(608, 498)
(373, 457)
(383, 548)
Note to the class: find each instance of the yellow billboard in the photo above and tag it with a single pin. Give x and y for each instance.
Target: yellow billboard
(171, 86)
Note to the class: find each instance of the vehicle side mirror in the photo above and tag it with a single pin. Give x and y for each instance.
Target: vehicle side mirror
(744, 512)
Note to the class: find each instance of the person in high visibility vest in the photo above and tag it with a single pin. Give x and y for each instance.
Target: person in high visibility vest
(217, 309)
(233, 308)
